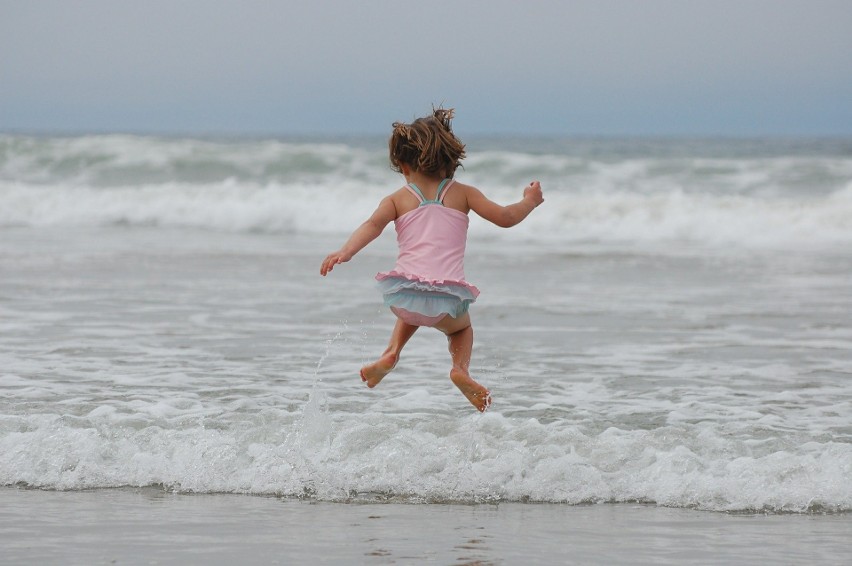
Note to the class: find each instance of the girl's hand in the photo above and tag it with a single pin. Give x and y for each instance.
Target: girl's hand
(533, 193)
(333, 259)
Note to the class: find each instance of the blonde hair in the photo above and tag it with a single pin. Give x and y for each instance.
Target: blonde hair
(427, 145)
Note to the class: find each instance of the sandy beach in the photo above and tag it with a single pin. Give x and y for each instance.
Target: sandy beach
(150, 526)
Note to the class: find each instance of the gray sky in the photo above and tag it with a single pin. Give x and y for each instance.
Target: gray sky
(635, 67)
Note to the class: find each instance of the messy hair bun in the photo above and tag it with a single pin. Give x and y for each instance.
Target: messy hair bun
(427, 145)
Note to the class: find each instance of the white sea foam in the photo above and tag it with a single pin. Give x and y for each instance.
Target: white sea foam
(489, 458)
(674, 216)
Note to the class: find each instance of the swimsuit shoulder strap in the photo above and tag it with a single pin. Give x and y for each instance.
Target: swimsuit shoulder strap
(415, 190)
(443, 188)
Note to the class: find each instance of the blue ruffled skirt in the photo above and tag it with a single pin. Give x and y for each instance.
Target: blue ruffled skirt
(425, 297)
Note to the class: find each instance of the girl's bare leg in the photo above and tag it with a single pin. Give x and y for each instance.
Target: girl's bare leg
(460, 336)
(373, 373)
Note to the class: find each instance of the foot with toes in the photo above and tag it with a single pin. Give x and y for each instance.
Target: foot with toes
(477, 394)
(372, 374)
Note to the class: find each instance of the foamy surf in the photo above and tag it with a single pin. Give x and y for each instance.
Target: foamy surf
(477, 459)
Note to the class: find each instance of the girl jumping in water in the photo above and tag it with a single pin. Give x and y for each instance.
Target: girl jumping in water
(427, 285)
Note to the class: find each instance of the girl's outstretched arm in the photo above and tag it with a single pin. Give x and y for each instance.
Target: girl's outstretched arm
(505, 216)
(363, 235)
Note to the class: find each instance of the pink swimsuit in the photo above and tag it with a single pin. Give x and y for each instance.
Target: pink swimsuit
(427, 283)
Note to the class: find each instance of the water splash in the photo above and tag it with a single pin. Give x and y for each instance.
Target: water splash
(315, 423)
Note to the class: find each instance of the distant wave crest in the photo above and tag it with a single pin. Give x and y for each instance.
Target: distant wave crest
(278, 186)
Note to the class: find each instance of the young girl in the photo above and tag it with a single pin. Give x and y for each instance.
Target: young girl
(427, 286)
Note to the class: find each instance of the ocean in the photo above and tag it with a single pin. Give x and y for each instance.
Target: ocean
(671, 329)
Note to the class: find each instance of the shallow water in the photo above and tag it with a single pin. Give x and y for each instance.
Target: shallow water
(672, 326)
(210, 362)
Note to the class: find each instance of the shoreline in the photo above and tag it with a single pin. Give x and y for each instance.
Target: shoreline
(155, 491)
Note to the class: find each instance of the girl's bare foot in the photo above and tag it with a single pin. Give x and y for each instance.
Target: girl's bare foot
(373, 373)
(478, 395)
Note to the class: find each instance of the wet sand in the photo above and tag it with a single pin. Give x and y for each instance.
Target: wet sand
(151, 526)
